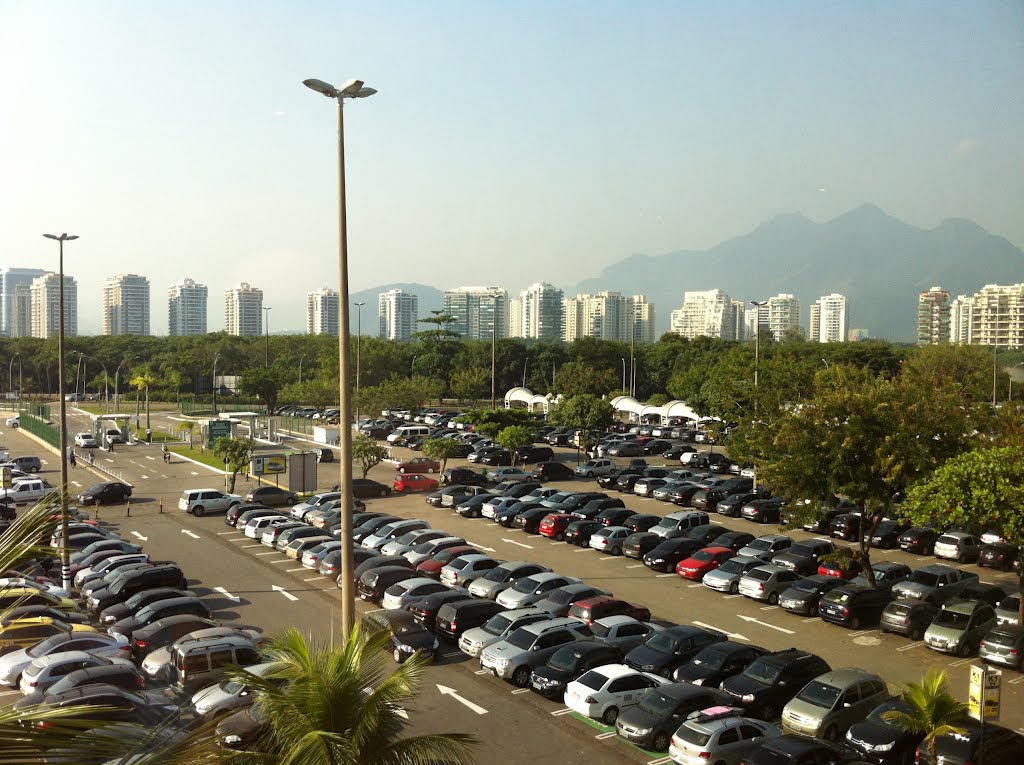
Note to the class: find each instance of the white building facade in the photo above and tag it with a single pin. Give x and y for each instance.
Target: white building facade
(709, 313)
(186, 308)
(126, 305)
(243, 310)
(45, 297)
(480, 313)
(541, 312)
(399, 312)
(829, 319)
(322, 309)
(10, 280)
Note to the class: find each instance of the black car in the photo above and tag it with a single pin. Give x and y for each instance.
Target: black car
(153, 612)
(241, 729)
(529, 520)
(763, 510)
(460, 615)
(639, 544)
(986, 593)
(707, 534)
(792, 749)
(272, 496)
(520, 489)
(676, 451)
(614, 516)
(998, 746)
(849, 526)
(685, 493)
(886, 535)
(166, 631)
(591, 509)
(136, 602)
(552, 471)
(651, 723)
(577, 500)
(853, 605)
(408, 635)
(472, 507)
(821, 521)
(434, 499)
(506, 516)
(331, 563)
(732, 505)
(641, 522)
(668, 649)
(1000, 555)
(530, 454)
(803, 557)
(497, 457)
(803, 596)
(627, 481)
(109, 703)
(239, 515)
(569, 663)
(379, 560)
(669, 552)
(425, 609)
(883, 742)
(716, 662)
(608, 480)
(734, 540)
(463, 476)
(364, 488)
(579, 532)
(770, 682)
(364, 530)
(105, 493)
(374, 582)
(919, 540)
(557, 602)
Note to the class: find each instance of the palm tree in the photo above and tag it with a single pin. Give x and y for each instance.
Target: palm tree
(341, 705)
(188, 426)
(934, 711)
(143, 381)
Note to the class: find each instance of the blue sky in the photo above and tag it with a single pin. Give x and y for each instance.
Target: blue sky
(509, 142)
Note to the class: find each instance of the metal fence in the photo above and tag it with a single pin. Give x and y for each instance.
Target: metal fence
(42, 428)
(297, 425)
(193, 407)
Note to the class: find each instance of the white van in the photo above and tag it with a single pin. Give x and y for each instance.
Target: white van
(406, 432)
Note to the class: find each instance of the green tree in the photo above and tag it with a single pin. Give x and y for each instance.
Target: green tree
(441, 450)
(578, 378)
(584, 412)
(978, 490)
(368, 453)
(264, 382)
(188, 426)
(934, 711)
(325, 705)
(142, 381)
(471, 384)
(515, 436)
(236, 453)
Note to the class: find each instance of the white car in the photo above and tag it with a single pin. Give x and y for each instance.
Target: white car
(527, 591)
(43, 672)
(14, 422)
(594, 468)
(95, 643)
(498, 503)
(405, 593)
(610, 539)
(255, 527)
(300, 510)
(602, 693)
(623, 632)
(227, 695)
(86, 441)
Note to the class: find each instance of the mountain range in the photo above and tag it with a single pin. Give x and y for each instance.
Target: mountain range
(879, 262)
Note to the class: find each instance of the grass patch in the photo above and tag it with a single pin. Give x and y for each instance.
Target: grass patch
(205, 456)
(611, 729)
(97, 407)
(159, 436)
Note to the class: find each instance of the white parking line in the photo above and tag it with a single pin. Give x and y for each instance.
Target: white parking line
(660, 761)
(608, 557)
(481, 672)
(692, 586)
(769, 608)
(812, 619)
(249, 547)
(312, 579)
(451, 654)
(293, 570)
(730, 597)
(584, 549)
(636, 565)
(909, 647)
(519, 691)
(662, 576)
(559, 543)
(1016, 680)
(960, 663)
(223, 533)
(862, 632)
(268, 552)
(558, 712)
(283, 560)
(603, 736)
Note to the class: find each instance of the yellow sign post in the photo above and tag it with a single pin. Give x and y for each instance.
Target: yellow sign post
(984, 693)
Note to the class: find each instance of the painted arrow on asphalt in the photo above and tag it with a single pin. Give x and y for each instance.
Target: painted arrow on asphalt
(446, 691)
(765, 624)
(480, 547)
(519, 544)
(139, 536)
(191, 534)
(227, 594)
(733, 635)
(283, 591)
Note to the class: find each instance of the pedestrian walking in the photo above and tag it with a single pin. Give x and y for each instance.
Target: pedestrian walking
(72, 458)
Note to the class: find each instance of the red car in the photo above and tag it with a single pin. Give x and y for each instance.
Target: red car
(841, 570)
(554, 525)
(414, 482)
(432, 566)
(703, 561)
(419, 465)
(590, 610)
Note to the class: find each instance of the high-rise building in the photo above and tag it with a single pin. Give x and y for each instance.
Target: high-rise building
(480, 313)
(960, 320)
(933, 317)
(10, 279)
(997, 316)
(643, 320)
(21, 311)
(710, 313)
(829, 319)
(606, 315)
(778, 317)
(45, 292)
(515, 317)
(186, 308)
(541, 312)
(243, 310)
(126, 305)
(322, 312)
(399, 311)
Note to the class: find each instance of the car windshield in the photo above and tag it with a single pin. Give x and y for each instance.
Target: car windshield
(667, 523)
(522, 639)
(657, 703)
(763, 671)
(425, 547)
(926, 578)
(802, 551)
(498, 574)
(561, 597)
(808, 585)
(953, 619)
(497, 624)
(733, 567)
(663, 642)
(878, 714)
(593, 680)
(703, 556)
(529, 584)
(691, 735)
(231, 687)
(144, 614)
(819, 694)
(710, 659)
(407, 628)
(761, 544)
(565, 659)
(838, 597)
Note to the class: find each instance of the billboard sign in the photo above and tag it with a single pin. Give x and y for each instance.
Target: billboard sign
(984, 693)
(217, 429)
(268, 464)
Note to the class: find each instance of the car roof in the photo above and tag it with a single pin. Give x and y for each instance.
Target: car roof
(842, 678)
(542, 626)
(964, 606)
(615, 621)
(61, 656)
(612, 671)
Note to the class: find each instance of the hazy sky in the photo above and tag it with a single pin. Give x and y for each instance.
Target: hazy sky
(510, 142)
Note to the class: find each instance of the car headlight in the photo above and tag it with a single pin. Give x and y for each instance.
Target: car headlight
(232, 739)
(405, 648)
(883, 747)
(747, 698)
(698, 681)
(435, 646)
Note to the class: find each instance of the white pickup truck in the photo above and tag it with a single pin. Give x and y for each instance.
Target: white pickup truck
(27, 490)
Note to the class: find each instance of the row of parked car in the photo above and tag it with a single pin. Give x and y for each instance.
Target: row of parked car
(130, 639)
(676, 688)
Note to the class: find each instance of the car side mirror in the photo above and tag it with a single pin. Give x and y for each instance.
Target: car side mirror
(847, 705)
(244, 693)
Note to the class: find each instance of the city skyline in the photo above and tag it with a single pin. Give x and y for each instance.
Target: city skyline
(731, 114)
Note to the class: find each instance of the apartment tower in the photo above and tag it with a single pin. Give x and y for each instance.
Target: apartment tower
(45, 296)
(399, 312)
(243, 310)
(126, 305)
(186, 308)
(322, 309)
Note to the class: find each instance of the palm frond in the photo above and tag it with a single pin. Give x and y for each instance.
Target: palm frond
(25, 538)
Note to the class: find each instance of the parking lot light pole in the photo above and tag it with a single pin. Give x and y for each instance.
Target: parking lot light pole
(216, 356)
(65, 551)
(757, 360)
(10, 373)
(266, 321)
(359, 343)
(350, 89)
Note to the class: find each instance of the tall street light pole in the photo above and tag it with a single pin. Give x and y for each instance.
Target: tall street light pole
(106, 381)
(757, 359)
(65, 550)
(10, 373)
(359, 343)
(214, 383)
(266, 329)
(117, 380)
(350, 89)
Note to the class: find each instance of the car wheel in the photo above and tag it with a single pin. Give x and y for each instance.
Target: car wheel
(829, 734)
(611, 714)
(34, 469)
(965, 650)
(916, 634)
(616, 551)
(773, 598)
(430, 470)
(661, 742)
(521, 677)
(961, 558)
(813, 610)
(854, 623)
(197, 510)
(734, 588)
(559, 537)
(398, 656)
(384, 492)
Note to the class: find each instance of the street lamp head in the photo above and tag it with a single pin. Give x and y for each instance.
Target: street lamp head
(62, 237)
(321, 87)
(350, 89)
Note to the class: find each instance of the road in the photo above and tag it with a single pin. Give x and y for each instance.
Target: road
(218, 557)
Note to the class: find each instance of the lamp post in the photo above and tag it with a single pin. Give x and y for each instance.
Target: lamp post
(10, 374)
(106, 380)
(266, 329)
(494, 357)
(825, 362)
(78, 371)
(117, 379)
(632, 357)
(65, 556)
(214, 383)
(624, 390)
(757, 360)
(359, 344)
(350, 89)
(301, 359)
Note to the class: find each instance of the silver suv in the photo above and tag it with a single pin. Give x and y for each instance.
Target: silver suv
(498, 627)
(767, 583)
(828, 705)
(495, 581)
(203, 501)
(515, 657)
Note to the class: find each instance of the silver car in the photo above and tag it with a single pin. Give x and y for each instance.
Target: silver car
(764, 547)
(767, 583)
(623, 632)
(96, 643)
(408, 591)
(713, 736)
(424, 551)
(155, 665)
(726, 578)
(828, 705)
(474, 641)
(495, 581)
(515, 657)
(461, 571)
(407, 542)
(528, 591)
(228, 695)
